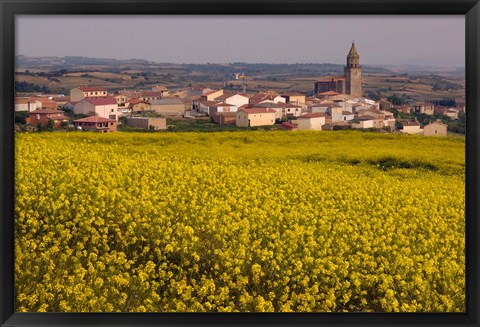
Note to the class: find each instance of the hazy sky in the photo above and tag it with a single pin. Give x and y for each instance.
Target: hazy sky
(420, 40)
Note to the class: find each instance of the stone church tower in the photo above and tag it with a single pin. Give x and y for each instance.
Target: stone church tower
(353, 73)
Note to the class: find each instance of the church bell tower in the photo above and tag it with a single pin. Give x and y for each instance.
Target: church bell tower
(353, 73)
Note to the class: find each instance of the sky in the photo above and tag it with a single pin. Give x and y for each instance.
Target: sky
(380, 40)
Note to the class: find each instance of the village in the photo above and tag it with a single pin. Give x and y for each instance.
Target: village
(337, 103)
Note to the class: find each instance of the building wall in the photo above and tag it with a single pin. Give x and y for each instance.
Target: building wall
(31, 106)
(241, 119)
(214, 95)
(144, 122)
(169, 109)
(244, 119)
(412, 130)
(237, 100)
(76, 95)
(314, 123)
(42, 119)
(435, 130)
(141, 106)
(335, 85)
(300, 99)
(353, 81)
(85, 107)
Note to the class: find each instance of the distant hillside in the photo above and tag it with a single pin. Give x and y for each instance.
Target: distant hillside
(299, 69)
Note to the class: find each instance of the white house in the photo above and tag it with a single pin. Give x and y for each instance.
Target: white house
(411, 127)
(27, 104)
(347, 115)
(236, 100)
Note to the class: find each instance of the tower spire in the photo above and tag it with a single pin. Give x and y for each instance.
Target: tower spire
(353, 51)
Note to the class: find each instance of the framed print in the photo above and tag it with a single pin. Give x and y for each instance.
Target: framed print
(239, 163)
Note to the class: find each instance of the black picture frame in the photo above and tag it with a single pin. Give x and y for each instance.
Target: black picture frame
(11, 8)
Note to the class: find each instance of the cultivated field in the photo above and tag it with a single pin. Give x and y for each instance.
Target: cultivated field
(239, 221)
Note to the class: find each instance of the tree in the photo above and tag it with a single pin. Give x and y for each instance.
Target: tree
(49, 126)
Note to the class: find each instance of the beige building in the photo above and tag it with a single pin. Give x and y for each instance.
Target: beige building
(437, 128)
(311, 121)
(424, 108)
(294, 97)
(105, 107)
(168, 106)
(255, 117)
(364, 122)
(211, 95)
(82, 92)
(350, 83)
(147, 123)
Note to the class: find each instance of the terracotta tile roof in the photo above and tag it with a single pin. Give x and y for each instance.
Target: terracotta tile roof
(209, 103)
(94, 119)
(91, 89)
(62, 117)
(289, 125)
(101, 101)
(46, 111)
(223, 104)
(314, 115)
(151, 94)
(257, 110)
(23, 101)
(135, 101)
(224, 96)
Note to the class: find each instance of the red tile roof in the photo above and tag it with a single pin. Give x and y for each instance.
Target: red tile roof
(258, 110)
(289, 125)
(60, 117)
(94, 119)
(91, 88)
(46, 111)
(101, 101)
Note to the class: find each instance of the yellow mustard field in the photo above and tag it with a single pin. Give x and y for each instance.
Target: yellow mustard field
(239, 221)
